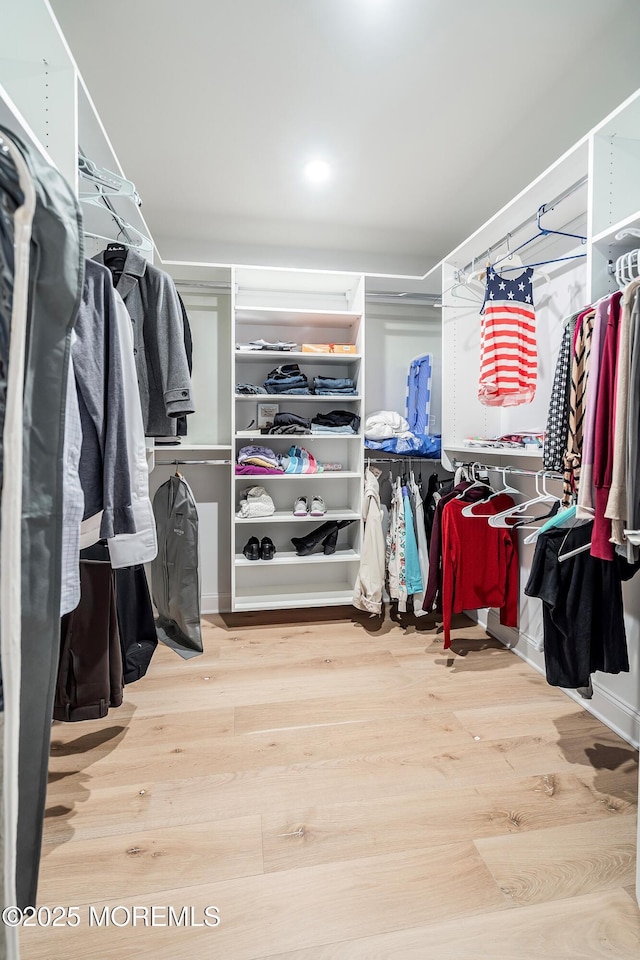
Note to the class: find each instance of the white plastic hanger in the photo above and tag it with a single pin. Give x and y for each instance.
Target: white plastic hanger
(518, 510)
(469, 510)
(573, 553)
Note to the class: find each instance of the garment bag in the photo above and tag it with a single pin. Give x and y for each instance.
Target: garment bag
(175, 581)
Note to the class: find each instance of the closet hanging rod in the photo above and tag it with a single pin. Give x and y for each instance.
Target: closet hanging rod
(206, 463)
(388, 296)
(207, 284)
(401, 460)
(533, 219)
(413, 299)
(545, 474)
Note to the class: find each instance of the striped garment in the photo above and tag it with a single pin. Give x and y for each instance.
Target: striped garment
(577, 397)
(508, 353)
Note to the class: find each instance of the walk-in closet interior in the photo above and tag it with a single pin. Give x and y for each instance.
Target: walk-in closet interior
(320, 482)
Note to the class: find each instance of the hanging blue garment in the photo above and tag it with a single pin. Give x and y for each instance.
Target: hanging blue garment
(412, 560)
(419, 393)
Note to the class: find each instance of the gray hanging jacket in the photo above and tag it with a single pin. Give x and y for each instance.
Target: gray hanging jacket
(175, 582)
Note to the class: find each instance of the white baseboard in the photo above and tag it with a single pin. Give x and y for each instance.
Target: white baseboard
(616, 714)
(215, 603)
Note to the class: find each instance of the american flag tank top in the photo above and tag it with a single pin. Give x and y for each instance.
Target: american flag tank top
(508, 353)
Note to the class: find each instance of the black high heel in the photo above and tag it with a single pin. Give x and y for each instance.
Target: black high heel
(326, 533)
(305, 545)
(329, 542)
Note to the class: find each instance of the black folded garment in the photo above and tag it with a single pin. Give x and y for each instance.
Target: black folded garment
(291, 419)
(292, 428)
(285, 372)
(337, 418)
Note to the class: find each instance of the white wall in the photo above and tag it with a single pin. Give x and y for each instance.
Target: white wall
(396, 333)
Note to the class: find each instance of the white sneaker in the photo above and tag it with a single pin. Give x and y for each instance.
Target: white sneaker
(318, 508)
(301, 507)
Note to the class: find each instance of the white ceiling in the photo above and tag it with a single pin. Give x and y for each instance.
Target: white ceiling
(432, 114)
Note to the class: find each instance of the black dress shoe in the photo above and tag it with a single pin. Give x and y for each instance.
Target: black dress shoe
(267, 549)
(251, 549)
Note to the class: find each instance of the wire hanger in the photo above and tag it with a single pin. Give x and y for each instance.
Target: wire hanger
(464, 284)
(544, 232)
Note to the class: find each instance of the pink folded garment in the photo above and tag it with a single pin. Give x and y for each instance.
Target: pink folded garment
(250, 470)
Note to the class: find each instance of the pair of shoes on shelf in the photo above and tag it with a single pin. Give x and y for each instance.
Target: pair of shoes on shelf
(301, 507)
(326, 534)
(255, 549)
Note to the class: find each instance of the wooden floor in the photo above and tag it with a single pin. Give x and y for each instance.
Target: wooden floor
(342, 792)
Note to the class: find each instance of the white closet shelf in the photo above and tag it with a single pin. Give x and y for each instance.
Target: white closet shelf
(288, 557)
(286, 516)
(167, 447)
(292, 596)
(295, 317)
(292, 437)
(297, 398)
(319, 358)
(607, 236)
(279, 477)
(508, 452)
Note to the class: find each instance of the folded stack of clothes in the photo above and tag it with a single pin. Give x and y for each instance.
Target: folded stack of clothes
(287, 379)
(334, 386)
(247, 389)
(255, 502)
(256, 459)
(300, 460)
(336, 421)
(533, 440)
(286, 423)
(284, 346)
(389, 431)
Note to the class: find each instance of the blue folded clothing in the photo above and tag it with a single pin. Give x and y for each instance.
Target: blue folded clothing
(419, 445)
(333, 383)
(339, 431)
(340, 392)
(276, 390)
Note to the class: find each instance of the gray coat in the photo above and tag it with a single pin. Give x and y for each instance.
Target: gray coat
(104, 464)
(158, 331)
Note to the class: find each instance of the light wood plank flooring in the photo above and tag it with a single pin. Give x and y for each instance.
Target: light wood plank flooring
(342, 791)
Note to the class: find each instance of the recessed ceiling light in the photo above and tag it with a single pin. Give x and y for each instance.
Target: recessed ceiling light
(317, 170)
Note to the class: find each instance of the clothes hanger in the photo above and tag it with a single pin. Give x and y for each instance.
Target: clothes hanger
(572, 553)
(109, 184)
(521, 524)
(462, 283)
(476, 482)
(469, 510)
(555, 520)
(542, 496)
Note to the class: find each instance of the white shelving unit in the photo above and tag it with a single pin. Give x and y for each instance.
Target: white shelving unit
(308, 307)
